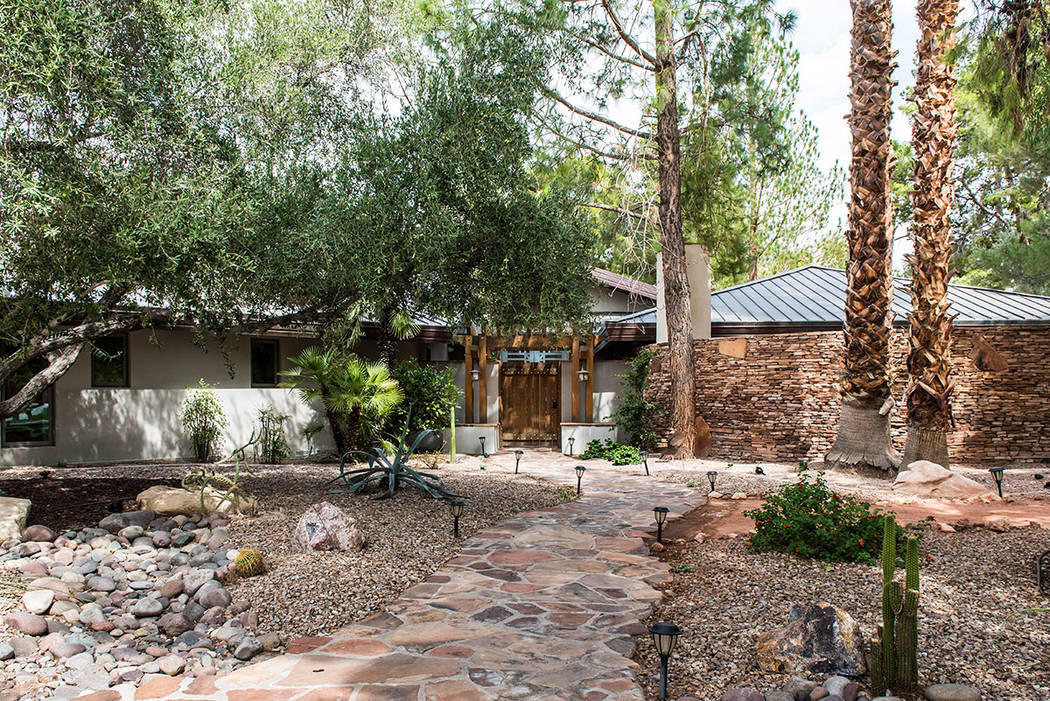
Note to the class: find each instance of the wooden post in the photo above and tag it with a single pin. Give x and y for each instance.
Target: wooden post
(589, 398)
(483, 384)
(468, 366)
(574, 380)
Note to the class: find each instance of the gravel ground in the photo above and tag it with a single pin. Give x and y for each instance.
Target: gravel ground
(408, 537)
(972, 581)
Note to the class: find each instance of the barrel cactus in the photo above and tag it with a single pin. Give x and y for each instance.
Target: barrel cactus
(249, 563)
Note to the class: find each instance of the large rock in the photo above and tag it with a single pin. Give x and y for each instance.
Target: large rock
(952, 692)
(932, 481)
(325, 527)
(819, 639)
(13, 514)
(174, 501)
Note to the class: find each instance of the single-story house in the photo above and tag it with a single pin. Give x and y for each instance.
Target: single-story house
(768, 359)
(124, 405)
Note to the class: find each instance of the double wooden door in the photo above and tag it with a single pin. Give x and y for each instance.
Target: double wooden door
(530, 402)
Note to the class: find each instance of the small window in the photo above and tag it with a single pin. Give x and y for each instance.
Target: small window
(264, 363)
(109, 361)
(34, 425)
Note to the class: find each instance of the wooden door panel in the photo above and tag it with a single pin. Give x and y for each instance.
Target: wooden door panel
(529, 395)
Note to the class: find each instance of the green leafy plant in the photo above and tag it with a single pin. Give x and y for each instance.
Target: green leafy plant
(683, 569)
(894, 659)
(272, 446)
(357, 395)
(617, 453)
(430, 393)
(635, 415)
(808, 519)
(203, 417)
(565, 493)
(309, 433)
(392, 469)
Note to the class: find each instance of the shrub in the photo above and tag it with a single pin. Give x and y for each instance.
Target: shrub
(617, 453)
(430, 394)
(272, 444)
(808, 519)
(636, 416)
(203, 417)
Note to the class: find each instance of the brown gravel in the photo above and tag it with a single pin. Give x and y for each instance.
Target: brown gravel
(408, 537)
(971, 583)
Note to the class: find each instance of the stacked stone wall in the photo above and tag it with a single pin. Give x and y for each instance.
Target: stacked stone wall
(780, 400)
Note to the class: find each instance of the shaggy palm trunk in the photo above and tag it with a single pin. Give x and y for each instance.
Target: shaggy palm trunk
(934, 130)
(672, 241)
(386, 340)
(338, 433)
(863, 432)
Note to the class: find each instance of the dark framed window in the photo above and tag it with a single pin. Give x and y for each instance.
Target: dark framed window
(264, 362)
(34, 425)
(109, 361)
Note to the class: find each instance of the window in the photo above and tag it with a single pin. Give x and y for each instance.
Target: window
(34, 425)
(109, 361)
(264, 363)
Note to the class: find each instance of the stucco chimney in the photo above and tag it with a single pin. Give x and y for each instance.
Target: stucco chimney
(698, 270)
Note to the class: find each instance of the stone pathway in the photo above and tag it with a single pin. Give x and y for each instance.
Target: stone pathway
(541, 606)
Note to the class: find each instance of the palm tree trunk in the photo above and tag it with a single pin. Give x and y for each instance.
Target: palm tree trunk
(387, 341)
(338, 435)
(863, 432)
(934, 131)
(672, 240)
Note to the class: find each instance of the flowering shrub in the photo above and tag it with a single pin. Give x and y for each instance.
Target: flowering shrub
(810, 520)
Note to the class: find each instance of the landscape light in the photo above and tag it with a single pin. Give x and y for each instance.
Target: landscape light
(665, 635)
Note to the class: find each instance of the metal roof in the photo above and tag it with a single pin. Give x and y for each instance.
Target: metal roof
(814, 297)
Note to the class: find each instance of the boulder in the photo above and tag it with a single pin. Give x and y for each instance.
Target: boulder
(13, 514)
(932, 481)
(952, 692)
(325, 527)
(174, 501)
(819, 639)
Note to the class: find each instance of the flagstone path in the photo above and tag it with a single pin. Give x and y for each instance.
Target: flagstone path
(541, 606)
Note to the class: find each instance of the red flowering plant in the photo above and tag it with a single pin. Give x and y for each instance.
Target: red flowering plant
(809, 519)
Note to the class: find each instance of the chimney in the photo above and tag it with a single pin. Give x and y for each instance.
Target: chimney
(698, 270)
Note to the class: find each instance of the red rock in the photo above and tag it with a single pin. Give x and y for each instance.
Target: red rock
(325, 527)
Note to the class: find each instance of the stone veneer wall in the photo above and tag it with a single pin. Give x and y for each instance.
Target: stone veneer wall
(780, 401)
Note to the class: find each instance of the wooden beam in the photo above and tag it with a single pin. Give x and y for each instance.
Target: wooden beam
(483, 388)
(468, 383)
(574, 380)
(589, 398)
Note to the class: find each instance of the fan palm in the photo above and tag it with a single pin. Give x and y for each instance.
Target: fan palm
(863, 433)
(934, 129)
(351, 390)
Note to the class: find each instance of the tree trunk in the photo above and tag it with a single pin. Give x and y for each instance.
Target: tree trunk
(353, 427)
(672, 241)
(863, 432)
(934, 131)
(338, 434)
(386, 340)
(59, 362)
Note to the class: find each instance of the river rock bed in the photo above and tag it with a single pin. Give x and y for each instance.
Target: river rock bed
(137, 595)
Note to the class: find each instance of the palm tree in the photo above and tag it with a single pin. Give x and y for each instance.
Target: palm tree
(354, 392)
(933, 140)
(863, 433)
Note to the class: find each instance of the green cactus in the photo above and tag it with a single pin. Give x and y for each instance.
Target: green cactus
(894, 663)
(248, 562)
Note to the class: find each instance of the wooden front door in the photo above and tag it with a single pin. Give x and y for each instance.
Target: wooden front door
(530, 396)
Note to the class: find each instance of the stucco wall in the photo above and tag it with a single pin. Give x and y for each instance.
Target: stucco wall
(140, 422)
(781, 400)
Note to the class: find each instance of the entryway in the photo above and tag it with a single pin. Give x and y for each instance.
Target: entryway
(530, 403)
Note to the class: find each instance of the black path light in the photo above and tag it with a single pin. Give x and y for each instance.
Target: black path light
(517, 459)
(665, 635)
(572, 439)
(484, 453)
(660, 513)
(580, 469)
(645, 460)
(712, 476)
(997, 475)
(457, 511)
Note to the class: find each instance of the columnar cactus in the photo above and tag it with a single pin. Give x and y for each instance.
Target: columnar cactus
(894, 663)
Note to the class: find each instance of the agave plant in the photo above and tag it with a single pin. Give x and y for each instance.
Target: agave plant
(392, 469)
